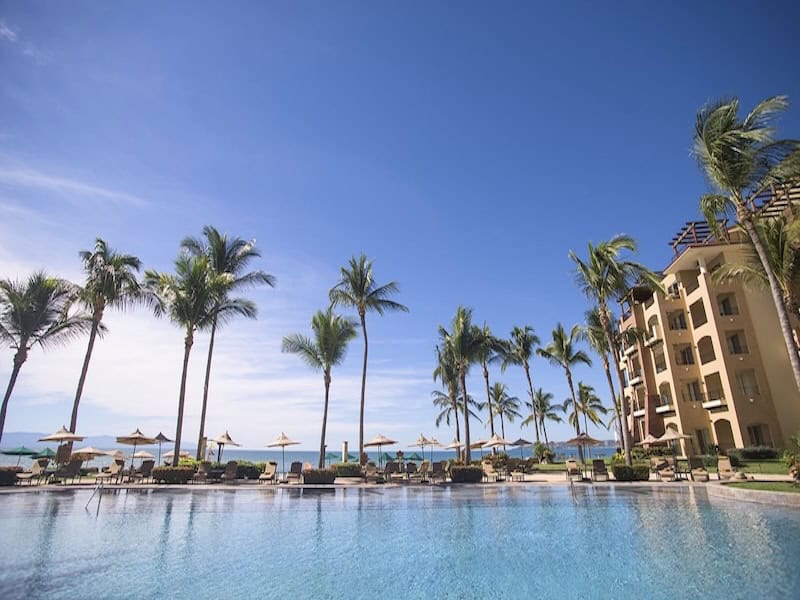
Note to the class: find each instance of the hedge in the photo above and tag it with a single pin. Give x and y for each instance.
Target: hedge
(319, 476)
(634, 473)
(173, 474)
(8, 475)
(348, 470)
(462, 474)
(752, 453)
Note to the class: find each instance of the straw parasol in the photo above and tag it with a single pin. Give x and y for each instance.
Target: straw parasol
(183, 454)
(671, 436)
(520, 443)
(222, 441)
(380, 441)
(581, 440)
(649, 439)
(496, 441)
(19, 452)
(455, 445)
(89, 453)
(63, 435)
(478, 445)
(282, 441)
(433, 442)
(136, 438)
(421, 441)
(161, 439)
(143, 454)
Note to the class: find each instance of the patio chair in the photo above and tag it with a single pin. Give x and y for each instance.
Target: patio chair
(38, 470)
(144, 472)
(573, 471)
(71, 470)
(392, 471)
(114, 472)
(411, 469)
(270, 474)
(294, 472)
(229, 476)
(666, 472)
(439, 471)
(655, 463)
(422, 473)
(724, 468)
(698, 469)
(201, 476)
(599, 470)
(489, 474)
(371, 473)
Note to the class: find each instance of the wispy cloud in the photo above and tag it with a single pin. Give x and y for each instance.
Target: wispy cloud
(23, 46)
(75, 189)
(7, 34)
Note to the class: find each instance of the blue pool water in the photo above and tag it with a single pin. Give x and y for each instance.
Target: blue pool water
(407, 542)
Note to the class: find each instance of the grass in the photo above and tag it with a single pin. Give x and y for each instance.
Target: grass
(774, 466)
(768, 486)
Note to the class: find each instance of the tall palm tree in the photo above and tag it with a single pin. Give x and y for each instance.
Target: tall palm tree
(742, 159)
(518, 350)
(590, 406)
(595, 336)
(446, 371)
(448, 408)
(487, 353)
(506, 407)
(192, 298)
(545, 411)
(110, 283)
(462, 347)
(325, 350)
(226, 256)
(604, 277)
(36, 311)
(357, 289)
(562, 352)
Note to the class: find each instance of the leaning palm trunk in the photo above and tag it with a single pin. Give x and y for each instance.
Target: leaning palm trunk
(324, 421)
(199, 455)
(489, 403)
(544, 431)
(182, 397)
(19, 358)
(575, 411)
(777, 296)
(363, 388)
(467, 449)
(533, 402)
(623, 404)
(614, 399)
(453, 399)
(73, 422)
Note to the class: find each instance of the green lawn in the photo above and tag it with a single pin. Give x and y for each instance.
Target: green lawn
(768, 486)
(771, 467)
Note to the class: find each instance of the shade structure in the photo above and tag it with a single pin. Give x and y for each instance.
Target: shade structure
(20, 452)
(520, 443)
(671, 436)
(495, 441)
(143, 454)
(420, 443)
(414, 456)
(171, 453)
(161, 439)
(433, 443)
(380, 441)
(222, 441)
(89, 452)
(454, 445)
(136, 438)
(46, 453)
(282, 441)
(338, 455)
(63, 435)
(649, 439)
(581, 440)
(478, 445)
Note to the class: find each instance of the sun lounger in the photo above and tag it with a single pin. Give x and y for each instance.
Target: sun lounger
(439, 471)
(201, 476)
(656, 462)
(37, 472)
(698, 469)
(144, 472)
(392, 471)
(724, 468)
(114, 472)
(411, 469)
(229, 476)
(573, 471)
(294, 472)
(422, 473)
(270, 474)
(489, 474)
(599, 470)
(666, 472)
(371, 473)
(71, 470)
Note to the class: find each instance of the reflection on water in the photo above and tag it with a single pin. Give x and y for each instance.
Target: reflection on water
(413, 542)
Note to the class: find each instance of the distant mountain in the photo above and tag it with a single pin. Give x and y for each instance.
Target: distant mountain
(13, 439)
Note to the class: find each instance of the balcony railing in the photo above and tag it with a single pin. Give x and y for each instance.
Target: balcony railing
(714, 399)
(636, 379)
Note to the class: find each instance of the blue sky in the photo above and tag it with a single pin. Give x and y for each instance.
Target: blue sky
(466, 149)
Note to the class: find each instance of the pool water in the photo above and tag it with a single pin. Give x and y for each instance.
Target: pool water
(407, 542)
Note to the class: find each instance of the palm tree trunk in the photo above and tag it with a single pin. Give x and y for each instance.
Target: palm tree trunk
(623, 404)
(614, 399)
(324, 422)
(19, 358)
(199, 455)
(453, 398)
(467, 449)
(777, 297)
(489, 403)
(544, 432)
(73, 422)
(363, 389)
(187, 348)
(502, 430)
(533, 401)
(574, 409)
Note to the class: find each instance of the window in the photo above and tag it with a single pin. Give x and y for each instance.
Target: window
(677, 320)
(664, 394)
(673, 291)
(758, 435)
(727, 305)
(698, 311)
(704, 439)
(705, 348)
(684, 355)
(747, 383)
(737, 343)
(691, 392)
(659, 360)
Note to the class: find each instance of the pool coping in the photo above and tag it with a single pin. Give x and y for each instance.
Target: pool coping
(786, 499)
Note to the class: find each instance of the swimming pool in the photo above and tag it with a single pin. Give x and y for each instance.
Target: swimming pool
(407, 542)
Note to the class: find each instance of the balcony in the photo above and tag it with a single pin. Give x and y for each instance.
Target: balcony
(665, 408)
(630, 350)
(639, 413)
(714, 400)
(652, 340)
(637, 379)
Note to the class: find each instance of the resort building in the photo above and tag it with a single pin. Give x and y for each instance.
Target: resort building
(713, 363)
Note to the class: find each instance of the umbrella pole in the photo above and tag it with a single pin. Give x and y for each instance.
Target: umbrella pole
(159, 453)
(130, 473)
(283, 461)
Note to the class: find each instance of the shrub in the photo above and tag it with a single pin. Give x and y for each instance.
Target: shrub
(172, 474)
(792, 457)
(462, 474)
(348, 470)
(623, 472)
(641, 472)
(249, 470)
(319, 476)
(8, 475)
(189, 462)
(543, 452)
(752, 453)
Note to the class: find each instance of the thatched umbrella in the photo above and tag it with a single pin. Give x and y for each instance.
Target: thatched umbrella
(222, 441)
(161, 439)
(282, 441)
(62, 436)
(583, 439)
(520, 443)
(380, 441)
(136, 438)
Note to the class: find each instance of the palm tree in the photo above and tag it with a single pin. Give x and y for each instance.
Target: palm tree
(562, 352)
(327, 349)
(545, 410)
(590, 406)
(192, 298)
(226, 256)
(506, 407)
(446, 371)
(462, 346)
(742, 159)
(518, 350)
(357, 289)
(448, 408)
(110, 283)
(487, 353)
(36, 311)
(603, 278)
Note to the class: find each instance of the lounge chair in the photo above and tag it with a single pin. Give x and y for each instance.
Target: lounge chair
(422, 473)
(114, 472)
(573, 471)
(599, 470)
(439, 471)
(392, 471)
(71, 470)
(666, 472)
(143, 473)
(294, 472)
(201, 476)
(229, 476)
(270, 474)
(698, 469)
(371, 473)
(724, 468)
(489, 474)
(38, 470)
(411, 469)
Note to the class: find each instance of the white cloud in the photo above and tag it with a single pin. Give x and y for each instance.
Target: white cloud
(24, 47)
(7, 34)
